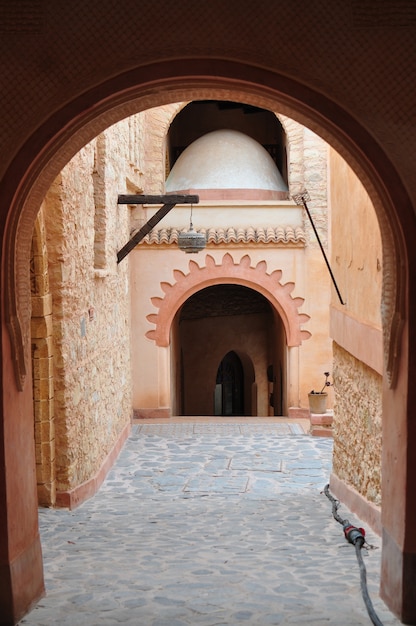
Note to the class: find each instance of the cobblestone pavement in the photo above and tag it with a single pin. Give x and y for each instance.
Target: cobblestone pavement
(207, 525)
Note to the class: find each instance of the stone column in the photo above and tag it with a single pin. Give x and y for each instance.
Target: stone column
(164, 375)
(293, 376)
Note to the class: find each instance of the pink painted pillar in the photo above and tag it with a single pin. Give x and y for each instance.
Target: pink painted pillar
(398, 570)
(21, 572)
(163, 361)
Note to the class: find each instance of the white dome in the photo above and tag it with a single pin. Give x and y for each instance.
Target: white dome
(227, 164)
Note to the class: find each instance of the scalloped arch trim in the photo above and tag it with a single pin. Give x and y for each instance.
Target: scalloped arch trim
(228, 271)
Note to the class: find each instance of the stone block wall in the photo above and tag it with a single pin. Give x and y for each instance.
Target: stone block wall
(90, 316)
(308, 171)
(42, 367)
(157, 122)
(358, 425)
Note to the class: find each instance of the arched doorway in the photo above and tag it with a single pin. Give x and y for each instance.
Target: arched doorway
(234, 320)
(33, 164)
(229, 386)
(221, 319)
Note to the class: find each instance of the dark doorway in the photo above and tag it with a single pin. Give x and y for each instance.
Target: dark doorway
(229, 389)
(214, 322)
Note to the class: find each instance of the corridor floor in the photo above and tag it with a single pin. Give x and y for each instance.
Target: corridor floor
(204, 523)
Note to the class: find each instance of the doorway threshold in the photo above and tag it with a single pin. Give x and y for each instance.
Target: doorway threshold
(218, 419)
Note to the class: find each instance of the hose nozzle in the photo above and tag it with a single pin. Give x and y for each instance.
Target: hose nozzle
(353, 534)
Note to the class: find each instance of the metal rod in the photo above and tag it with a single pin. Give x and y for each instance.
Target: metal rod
(302, 197)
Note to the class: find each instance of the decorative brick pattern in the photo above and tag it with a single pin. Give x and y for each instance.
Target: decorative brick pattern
(25, 16)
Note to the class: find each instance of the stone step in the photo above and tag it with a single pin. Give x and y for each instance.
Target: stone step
(321, 423)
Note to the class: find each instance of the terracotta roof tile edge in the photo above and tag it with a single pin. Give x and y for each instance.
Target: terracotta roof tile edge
(250, 234)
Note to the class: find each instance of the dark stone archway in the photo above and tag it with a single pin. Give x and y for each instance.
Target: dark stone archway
(312, 84)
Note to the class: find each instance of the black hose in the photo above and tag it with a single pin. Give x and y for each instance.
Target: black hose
(335, 506)
(364, 590)
(356, 537)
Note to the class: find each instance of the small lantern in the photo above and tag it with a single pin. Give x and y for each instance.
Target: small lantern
(190, 241)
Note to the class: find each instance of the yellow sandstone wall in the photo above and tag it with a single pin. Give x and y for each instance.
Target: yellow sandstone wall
(356, 331)
(91, 301)
(357, 445)
(42, 366)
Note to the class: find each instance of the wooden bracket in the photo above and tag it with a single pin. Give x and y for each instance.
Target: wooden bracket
(168, 201)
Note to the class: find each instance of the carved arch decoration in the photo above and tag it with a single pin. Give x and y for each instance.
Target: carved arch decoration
(241, 273)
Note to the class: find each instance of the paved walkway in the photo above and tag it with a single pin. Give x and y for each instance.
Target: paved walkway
(207, 524)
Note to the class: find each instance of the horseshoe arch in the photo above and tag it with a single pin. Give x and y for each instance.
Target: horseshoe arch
(242, 273)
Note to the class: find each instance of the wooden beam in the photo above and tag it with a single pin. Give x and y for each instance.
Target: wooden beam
(166, 199)
(144, 230)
